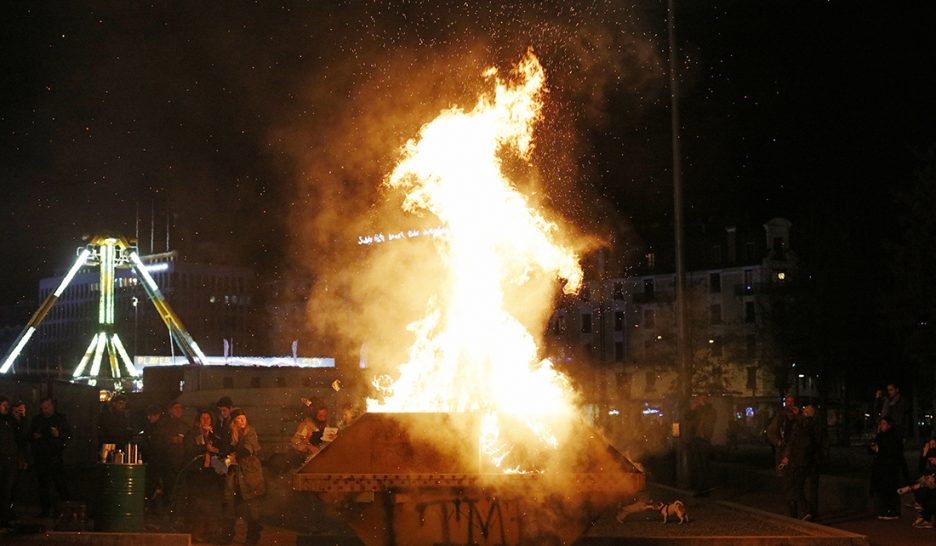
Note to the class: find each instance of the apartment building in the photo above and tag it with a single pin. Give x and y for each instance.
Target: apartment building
(622, 326)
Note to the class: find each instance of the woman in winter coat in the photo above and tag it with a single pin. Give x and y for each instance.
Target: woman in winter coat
(244, 483)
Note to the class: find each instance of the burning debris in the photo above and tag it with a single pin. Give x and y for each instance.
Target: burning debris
(475, 350)
(477, 439)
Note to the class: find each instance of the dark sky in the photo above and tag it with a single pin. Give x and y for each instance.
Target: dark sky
(242, 119)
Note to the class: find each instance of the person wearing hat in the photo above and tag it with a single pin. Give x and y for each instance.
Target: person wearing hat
(244, 483)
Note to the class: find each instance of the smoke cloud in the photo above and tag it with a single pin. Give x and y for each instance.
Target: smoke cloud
(395, 72)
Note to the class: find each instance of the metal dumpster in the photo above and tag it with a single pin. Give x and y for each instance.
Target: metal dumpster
(394, 487)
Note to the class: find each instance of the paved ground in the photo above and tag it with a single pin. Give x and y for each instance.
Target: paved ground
(844, 502)
(748, 482)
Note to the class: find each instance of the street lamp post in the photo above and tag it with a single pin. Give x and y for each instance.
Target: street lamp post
(683, 469)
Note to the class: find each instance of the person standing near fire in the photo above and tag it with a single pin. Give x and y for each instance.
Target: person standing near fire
(152, 451)
(206, 485)
(804, 451)
(885, 469)
(244, 483)
(8, 462)
(18, 416)
(700, 427)
(307, 440)
(171, 439)
(781, 426)
(896, 407)
(224, 405)
(50, 433)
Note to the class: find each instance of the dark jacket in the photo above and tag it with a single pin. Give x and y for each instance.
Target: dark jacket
(779, 430)
(172, 439)
(9, 450)
(197, 443)
(150, 446)
(885, 469)
(47, 448)
(808, 444)
(899, 412)
(114, 428)
(224, 432)
(206, 481)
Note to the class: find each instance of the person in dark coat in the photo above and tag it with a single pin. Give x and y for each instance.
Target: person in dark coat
(819, 460)
(244, 484)
(114, 423)
(8, 461)
(21, 429)
(205, 483)
(700, 426)
(799, 465)
(224, 405)
(898, 410)
(50, 433)
(171, 436)
(781, 426)
(885, 469)
(152, 453)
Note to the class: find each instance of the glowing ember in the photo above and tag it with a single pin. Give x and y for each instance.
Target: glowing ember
(472, 351)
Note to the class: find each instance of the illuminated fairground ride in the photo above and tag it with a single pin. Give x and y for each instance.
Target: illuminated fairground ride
(108, 253)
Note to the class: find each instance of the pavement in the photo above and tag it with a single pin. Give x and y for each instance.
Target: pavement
(744, 502)
(748, 479)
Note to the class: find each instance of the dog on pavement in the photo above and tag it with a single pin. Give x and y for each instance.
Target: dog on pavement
(675, 508)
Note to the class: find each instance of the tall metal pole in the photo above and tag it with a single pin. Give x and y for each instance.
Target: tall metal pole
(683, 469)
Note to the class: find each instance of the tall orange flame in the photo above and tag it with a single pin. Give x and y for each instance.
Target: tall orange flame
(471, 352)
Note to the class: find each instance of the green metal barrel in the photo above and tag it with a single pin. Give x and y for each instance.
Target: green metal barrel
(121, 495)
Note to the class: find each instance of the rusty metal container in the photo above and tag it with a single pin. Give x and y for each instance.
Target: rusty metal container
(390, 479)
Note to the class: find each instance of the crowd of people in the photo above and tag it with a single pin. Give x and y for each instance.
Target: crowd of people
(197, 473)
(39, 442)
(801, 451)
(890, 473)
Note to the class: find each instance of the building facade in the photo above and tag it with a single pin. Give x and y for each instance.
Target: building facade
(622, 327)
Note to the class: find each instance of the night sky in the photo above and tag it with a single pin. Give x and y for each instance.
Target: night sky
(259, 127)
